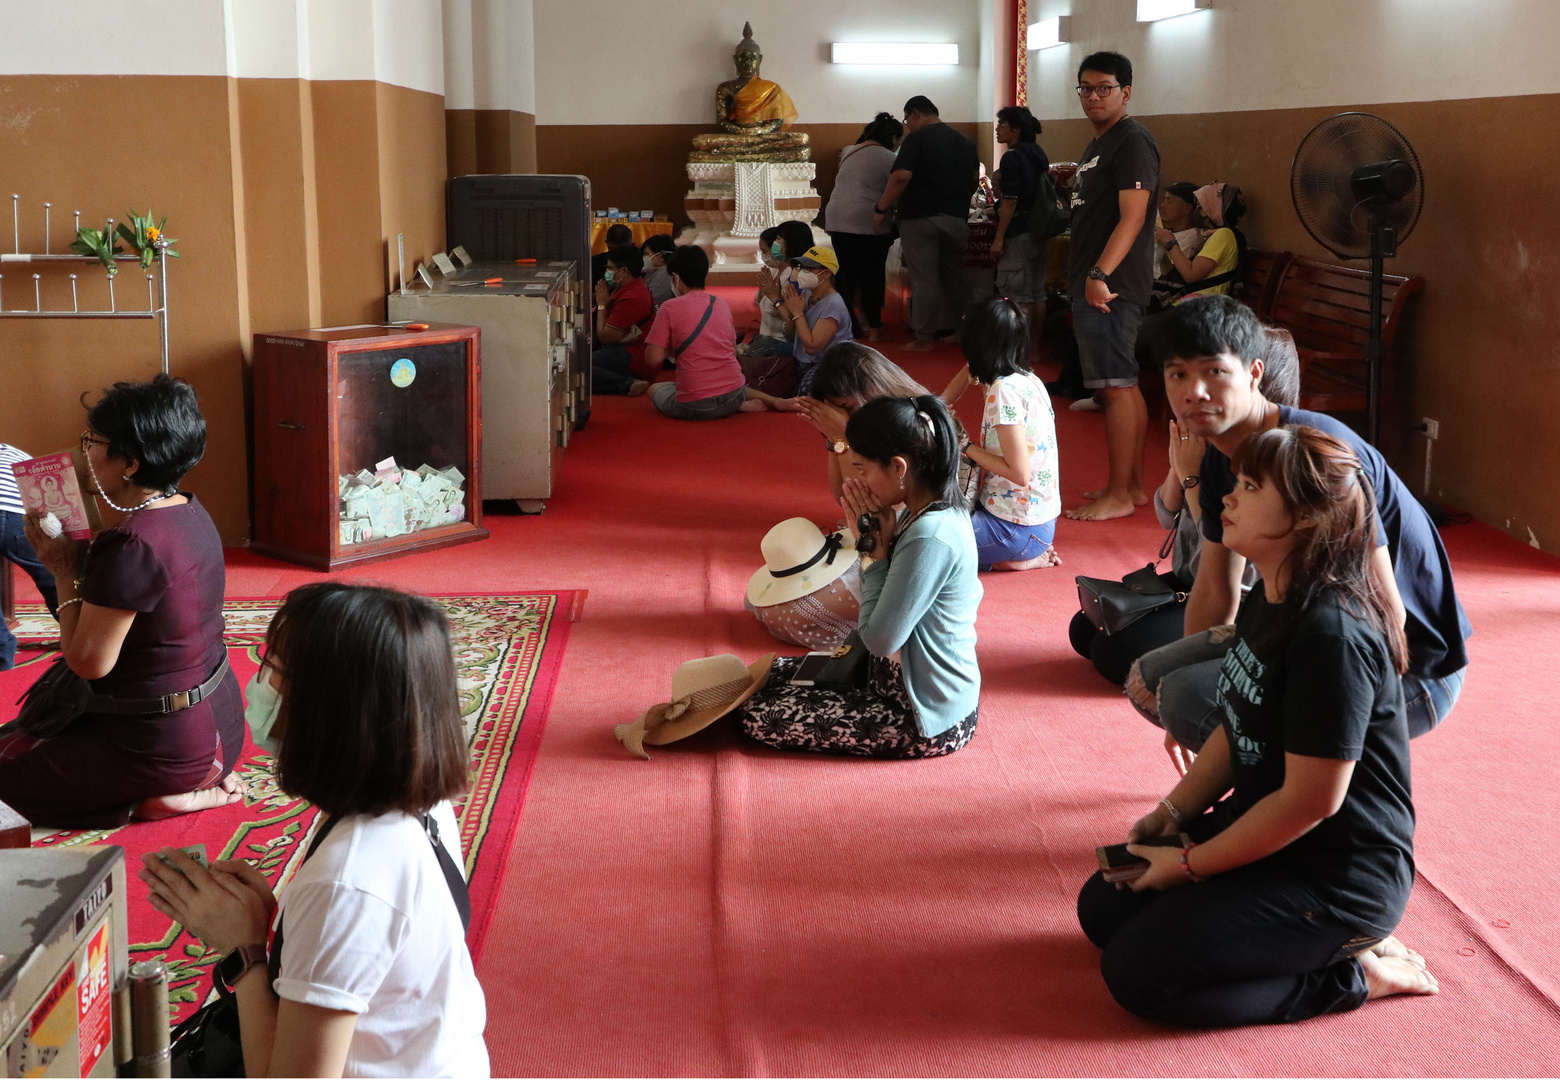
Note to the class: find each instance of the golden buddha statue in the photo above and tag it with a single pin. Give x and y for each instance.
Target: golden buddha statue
(752, 114)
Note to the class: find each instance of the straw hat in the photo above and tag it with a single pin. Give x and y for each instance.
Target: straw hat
(798, 559)
(703, 691)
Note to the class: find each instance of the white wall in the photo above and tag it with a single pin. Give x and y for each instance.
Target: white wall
(1276, 54)
(489, 55)
(393, 41)
(658, 61)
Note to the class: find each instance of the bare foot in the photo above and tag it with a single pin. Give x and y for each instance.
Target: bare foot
(1104, 508)
(753, 405)
(1048, 557)
(231, 790)
(1389, 975)
(875, 333)
(919, 346)
(1392, 949)
(787, 404)
(1139, 498)
(637, 388)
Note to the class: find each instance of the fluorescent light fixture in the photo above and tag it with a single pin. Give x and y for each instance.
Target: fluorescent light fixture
(866, 52)
(1048, 33)
(1154, 10)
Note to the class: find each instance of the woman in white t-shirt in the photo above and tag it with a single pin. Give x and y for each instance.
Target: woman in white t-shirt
(1020, 498)
(372, 976)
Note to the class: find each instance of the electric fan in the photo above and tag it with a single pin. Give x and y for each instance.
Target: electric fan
(1358, 188)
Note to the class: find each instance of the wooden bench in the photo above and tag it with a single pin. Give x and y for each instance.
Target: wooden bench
(1327, 309)
(1264, 270)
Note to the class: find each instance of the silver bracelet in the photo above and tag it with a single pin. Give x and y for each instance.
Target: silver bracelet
(1175, 814)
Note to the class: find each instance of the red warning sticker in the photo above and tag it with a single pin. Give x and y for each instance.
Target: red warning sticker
(94, 998)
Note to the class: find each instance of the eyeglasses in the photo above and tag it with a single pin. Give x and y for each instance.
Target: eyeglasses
(87, 439)
(1098, 91)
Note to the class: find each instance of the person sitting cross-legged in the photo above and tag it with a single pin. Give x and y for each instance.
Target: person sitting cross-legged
(1279, 902)
(624, 311)
(694, 330)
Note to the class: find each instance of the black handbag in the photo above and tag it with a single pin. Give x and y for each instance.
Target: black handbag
(208, 1042)
(1112, 606)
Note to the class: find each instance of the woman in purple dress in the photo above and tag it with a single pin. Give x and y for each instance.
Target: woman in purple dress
(140, 618)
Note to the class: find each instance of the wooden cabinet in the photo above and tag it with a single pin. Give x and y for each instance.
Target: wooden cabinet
(332, 408)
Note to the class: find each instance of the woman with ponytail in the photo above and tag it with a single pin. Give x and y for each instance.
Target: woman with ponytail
(1279, 901)
(1019, 252)
(919, 595)
(863, 252)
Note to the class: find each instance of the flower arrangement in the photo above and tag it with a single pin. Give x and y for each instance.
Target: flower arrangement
(140, 233)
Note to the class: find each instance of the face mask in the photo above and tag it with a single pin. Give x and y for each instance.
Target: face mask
(807, 279)
(768, 259)
(261, 705)
(610, 278)
(776, 250)
(649, 264)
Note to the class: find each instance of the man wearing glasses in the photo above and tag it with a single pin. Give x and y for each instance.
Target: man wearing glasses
(1111, 272)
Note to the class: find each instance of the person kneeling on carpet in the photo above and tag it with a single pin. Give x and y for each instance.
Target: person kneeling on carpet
(372, 976)
(808, 592)
(140, 613)
(1278, 903)
(918, 688)
(694, 330)
(1020, 495)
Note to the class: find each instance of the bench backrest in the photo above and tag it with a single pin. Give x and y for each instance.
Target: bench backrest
(1264, 271)
(1327, 307)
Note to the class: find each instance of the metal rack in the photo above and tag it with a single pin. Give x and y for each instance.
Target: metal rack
(156, 284)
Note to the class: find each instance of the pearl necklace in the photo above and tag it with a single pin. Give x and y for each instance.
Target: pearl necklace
(98, 484)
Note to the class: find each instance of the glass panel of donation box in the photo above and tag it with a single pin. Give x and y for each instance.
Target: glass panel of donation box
(401, 440)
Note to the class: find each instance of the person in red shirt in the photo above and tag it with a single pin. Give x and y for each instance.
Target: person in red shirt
(624, 312)
(694, 329)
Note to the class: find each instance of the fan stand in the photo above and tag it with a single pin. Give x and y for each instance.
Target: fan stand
(1383, 245)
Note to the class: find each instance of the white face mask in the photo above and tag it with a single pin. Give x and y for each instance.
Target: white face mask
(262, 703)
(768, 259)
(649, 264)
(807, 279)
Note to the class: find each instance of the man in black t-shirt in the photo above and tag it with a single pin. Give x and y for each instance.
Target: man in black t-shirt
(1111, 272)
(1211, 350)
(935, 174)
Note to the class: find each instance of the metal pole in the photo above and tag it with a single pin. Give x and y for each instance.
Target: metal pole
(162, 289)
(1373, 350)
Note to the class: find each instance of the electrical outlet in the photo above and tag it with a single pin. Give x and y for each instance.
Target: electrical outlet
(1431, 428)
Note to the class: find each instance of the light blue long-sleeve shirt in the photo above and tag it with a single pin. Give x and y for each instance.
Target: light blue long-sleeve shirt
(922, 603)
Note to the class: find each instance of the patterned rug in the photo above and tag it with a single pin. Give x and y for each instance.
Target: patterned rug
(508, 650)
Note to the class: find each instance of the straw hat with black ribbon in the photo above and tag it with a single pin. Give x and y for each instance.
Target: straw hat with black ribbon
(799, 559)
(703, 691)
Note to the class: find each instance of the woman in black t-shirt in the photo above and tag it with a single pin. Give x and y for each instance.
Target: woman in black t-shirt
(1303, 872)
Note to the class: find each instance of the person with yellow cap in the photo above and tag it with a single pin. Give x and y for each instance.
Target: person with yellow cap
(818, 315)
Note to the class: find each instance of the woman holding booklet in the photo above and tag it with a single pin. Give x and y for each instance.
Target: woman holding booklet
(1280, 902)
(140, 613)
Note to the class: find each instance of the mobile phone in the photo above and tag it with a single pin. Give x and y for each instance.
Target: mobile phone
(1119, 864)
(807, 671)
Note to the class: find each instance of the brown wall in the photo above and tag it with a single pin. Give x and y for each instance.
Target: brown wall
(102, 145)
(1478, 352)
(285, 195)
(645, 167)
(489, 141)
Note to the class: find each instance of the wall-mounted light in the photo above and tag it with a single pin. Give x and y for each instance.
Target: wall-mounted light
(918, 53)
(1048, 33)
(1154, 10)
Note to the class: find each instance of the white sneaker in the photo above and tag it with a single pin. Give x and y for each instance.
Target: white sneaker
(1087, 404)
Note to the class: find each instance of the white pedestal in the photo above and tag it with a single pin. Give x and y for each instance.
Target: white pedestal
(732, 203)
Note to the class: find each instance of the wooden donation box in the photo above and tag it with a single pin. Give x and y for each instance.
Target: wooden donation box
(63, 956)
(528, 313)
(368, 442)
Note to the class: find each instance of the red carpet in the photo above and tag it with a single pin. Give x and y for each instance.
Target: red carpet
(508, 650)
(726, 910)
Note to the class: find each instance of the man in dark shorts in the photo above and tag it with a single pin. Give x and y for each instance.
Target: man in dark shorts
(1111, 272)
(935, 174)
(1211, 352)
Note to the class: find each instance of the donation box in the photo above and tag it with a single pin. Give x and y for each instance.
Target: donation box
(368, 442)
(63, 950)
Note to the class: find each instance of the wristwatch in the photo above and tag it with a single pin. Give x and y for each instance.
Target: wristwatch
(1096, 274)
(838, 446)
(1189, 482)
(231, 967)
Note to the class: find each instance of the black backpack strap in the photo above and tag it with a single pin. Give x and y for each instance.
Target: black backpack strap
(697, 330)
(452, 875)
(273, 960)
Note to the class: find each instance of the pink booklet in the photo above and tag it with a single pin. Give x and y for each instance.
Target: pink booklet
(48, 486)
